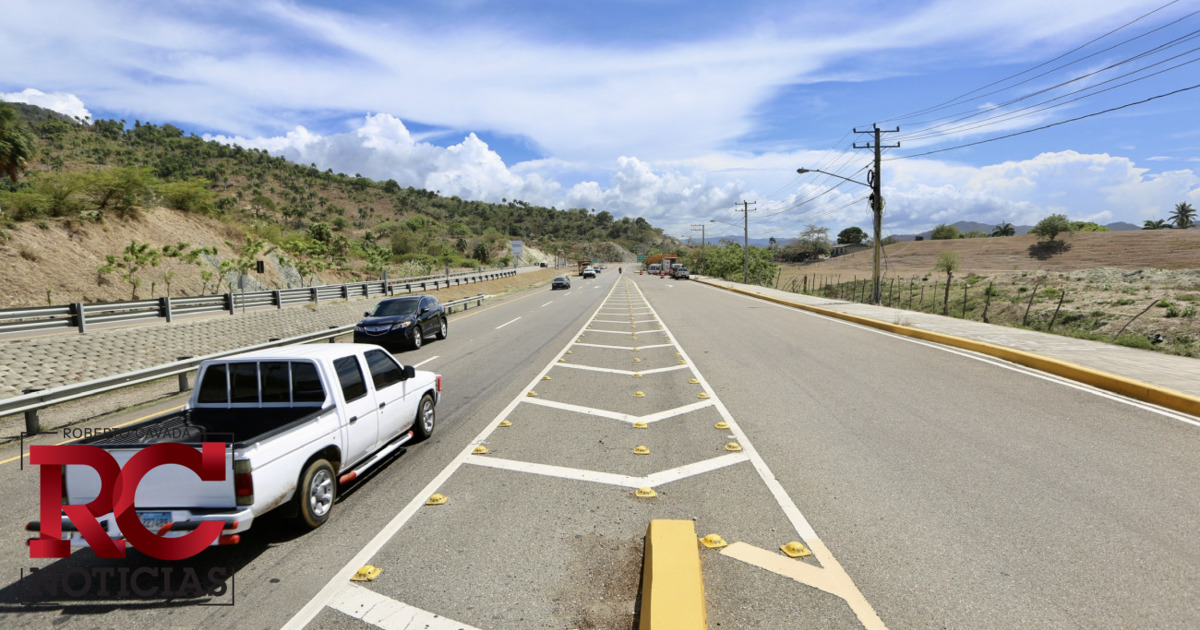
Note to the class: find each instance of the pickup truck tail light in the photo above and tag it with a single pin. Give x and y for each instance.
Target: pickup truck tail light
(439, 382)
(243, 482)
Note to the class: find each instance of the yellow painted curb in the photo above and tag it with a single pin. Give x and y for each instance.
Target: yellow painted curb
(1133, 388)
(672, 586)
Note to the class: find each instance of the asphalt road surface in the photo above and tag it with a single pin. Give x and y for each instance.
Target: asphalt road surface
(934, 488)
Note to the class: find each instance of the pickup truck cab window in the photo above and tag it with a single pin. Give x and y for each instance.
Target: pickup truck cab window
(306, 383)
(351, 378)
(384, 370)
(213, 389)
(243, 382)
(276, 382)
(280, 382)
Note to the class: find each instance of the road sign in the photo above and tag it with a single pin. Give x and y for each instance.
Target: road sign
(641, 258)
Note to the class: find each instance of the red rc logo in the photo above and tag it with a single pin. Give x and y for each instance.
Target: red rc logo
(118, 486)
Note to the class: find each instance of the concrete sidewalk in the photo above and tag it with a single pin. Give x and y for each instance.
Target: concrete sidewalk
(1171, 372)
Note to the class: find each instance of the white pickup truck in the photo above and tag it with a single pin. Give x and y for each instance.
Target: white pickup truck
(297, 422)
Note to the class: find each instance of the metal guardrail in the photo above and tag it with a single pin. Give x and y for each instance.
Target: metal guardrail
(81, 315)
(31, 402)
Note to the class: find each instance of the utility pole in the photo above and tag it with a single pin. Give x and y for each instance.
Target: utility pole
(876, 181)
(701, 226)
(746, 240)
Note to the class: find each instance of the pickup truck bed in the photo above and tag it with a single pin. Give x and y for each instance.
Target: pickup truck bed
(237, 426)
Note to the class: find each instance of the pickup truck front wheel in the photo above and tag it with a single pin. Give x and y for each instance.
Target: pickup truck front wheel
(316, 493)
(426, 416)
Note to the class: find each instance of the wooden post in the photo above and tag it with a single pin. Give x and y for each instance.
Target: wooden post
(1061, 297)
(1033, 294)
(987, 299)
(966, 286)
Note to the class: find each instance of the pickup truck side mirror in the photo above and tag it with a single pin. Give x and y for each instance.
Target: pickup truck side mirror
(409, 372)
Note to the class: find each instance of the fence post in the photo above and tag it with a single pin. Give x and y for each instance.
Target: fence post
(164, 307)
(1032, 294)
(80, 318)
(277, 298)
(1061, 297)
(316, 299)
(229, 304)
(987, 299)
(32, 424)
(183, 380)
(966, 286)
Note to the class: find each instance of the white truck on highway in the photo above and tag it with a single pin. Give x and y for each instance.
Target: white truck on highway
(296, 421)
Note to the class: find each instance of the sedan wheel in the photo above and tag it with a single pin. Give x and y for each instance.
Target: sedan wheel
(444, 330)
(418, 337)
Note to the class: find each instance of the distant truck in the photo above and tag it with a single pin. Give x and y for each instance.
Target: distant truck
(584, 264)
(297, 422)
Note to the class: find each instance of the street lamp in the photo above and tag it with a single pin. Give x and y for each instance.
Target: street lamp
(876, 210)
(745, 247)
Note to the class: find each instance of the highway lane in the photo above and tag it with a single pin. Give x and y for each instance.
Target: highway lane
(958, 492)
(277, 566)
(955, 493)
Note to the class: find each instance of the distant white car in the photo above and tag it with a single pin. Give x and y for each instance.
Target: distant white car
(589, 272)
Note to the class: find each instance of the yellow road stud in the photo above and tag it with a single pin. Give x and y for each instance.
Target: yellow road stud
(795, 550)
(713, 541)
(678, 355)
(506, 423)
(562, 360)
(694, 381)
(532, 394)
(637, 375)
(546, 377)
(702, 396)
(366, 574)
(645, 493)
(480, 450)
(437, 499)
(636, 349)
(733, 446)
(681, 362)
(722, 425)
(640, 425)
(569, 352)
(639, 394)
(636, 360)
(641, 450)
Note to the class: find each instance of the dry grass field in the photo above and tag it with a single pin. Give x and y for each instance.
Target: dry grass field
(1103, 279)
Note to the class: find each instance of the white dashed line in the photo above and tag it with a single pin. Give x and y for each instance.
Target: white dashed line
(506, 323)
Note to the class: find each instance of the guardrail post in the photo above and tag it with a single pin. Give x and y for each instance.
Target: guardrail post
(164, 307)
(183, 380)
(80, 318)
(316, 299)
(32, 425)
(229, 304)
(345, 292)
(277, 298)
(333, 339)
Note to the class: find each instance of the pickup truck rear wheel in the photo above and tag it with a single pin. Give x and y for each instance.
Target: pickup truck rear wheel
(316, 493)
(426, 417)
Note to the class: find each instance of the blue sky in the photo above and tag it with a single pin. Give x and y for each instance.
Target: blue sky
(670, 110)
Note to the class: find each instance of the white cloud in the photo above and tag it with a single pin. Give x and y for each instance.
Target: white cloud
(61, 102)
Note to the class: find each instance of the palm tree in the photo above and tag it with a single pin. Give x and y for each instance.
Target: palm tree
(1157, 224)
(1004, 229)
(1184, 215)
(16, 145)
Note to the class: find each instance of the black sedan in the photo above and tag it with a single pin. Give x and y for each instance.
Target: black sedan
(560, 282)
(403, 321)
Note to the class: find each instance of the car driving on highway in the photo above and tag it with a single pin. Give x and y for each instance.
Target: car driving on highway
(589, 272)
(560, 282)
(403, 321)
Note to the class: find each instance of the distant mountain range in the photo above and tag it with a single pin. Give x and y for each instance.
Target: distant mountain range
(986, 228)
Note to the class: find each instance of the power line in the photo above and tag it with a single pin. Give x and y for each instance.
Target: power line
(1055, 124)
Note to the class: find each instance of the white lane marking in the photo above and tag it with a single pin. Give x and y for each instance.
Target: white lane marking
(506, 323)
(1053, 378)
(384, 612)
(318, 602)
(417, 365)
(616, 415)
(859, 604)
(592, 368)
(613, 479)
(547, 304)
